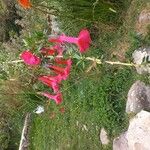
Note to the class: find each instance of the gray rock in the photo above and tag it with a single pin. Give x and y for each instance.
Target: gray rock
(138, 134)
(143, 21)
(138, 98)
(139, 57)
(104, 137)
(137, 137)
(144, 17)
(120, 143)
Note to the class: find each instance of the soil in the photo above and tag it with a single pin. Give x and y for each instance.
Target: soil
(143, 22)
(8, 16)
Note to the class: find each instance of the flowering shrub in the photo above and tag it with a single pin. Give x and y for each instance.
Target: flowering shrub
(60, 66)
(82, 41)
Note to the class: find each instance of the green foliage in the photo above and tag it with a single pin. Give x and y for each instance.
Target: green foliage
(4, 131)
(93, 100)
(4, 137)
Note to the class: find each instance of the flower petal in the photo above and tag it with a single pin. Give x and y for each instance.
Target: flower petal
(29, 58)
(25, 3)
(57, 98)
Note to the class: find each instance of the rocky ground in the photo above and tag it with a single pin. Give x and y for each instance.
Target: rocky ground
(137, 136)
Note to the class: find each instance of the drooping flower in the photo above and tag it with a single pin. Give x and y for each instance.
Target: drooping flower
(51, 83)
(48, 51)
(25, 3)
(57, 98)
(59, 49)
(83, 41)
(64, 72)
(57, 78)
(54, 39)
(63, 62)
(29, 58)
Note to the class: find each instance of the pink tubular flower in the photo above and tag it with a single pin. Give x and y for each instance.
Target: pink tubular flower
(56, 79)
(57, 98)
(54, 40)
(51, 83)
(83, 41)
(63, 62)
(64, 72)
(59, 49)
(48, 51)
(29, 58)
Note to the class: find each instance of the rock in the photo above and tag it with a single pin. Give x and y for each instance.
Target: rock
(137, 136)
(139, 57)
(104, 137)
(120, 143)
(144, 17)
(143, 22)
(39, 110)
(138, 98)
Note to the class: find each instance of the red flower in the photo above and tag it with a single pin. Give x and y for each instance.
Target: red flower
(57, 98)
(57, 78)
(83, 41)
(64, 72)
(29, 58)
(54, 40)
(63, 62)
(48, 51)
(59, 49)
(25, 3)
(51, 83)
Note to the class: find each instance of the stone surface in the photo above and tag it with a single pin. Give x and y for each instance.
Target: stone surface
(120, 143)
(138, 134)
(104, 137)
(137, 137)
(139, 57)
(138, 98)
(143, 21)
(39, 110)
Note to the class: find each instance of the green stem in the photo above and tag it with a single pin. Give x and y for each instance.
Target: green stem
(60, 14)
(98, 61)
(47, 7)
(45, 12)
(123, 64)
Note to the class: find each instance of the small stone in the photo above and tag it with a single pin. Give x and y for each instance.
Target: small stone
(138, 98)
(143, 21)
(104, 137)
(140, 56)
(39, 110)
(144, 17)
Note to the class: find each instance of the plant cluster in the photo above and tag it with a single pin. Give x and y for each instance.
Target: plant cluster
(59, 66)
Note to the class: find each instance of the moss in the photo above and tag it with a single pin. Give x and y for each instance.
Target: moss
(7, 20)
